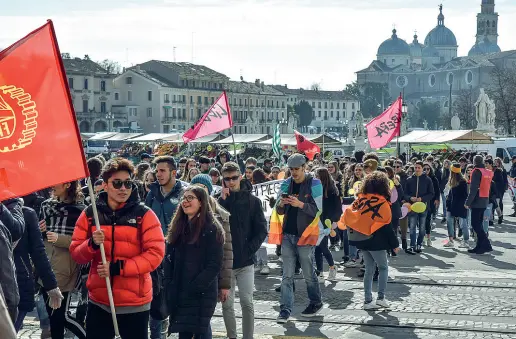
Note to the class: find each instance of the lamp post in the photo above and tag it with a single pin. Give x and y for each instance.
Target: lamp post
(283, 122)
(404, 109)
(109, 118)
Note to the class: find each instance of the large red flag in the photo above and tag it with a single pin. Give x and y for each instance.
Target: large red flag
(305, 145)
(382, 129)
(216, 119)
(40, 144)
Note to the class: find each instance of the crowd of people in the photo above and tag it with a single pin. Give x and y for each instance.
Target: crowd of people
(181, 236)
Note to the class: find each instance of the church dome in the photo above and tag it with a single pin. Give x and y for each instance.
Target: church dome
(394, 46)
(441, 36)
(430, 52)
(484, 47)
(416, 49)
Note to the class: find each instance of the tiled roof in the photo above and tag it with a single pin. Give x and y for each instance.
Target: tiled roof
(187, 69)
(317, 95)
(153, 76)
(83, 66)
(251, 88)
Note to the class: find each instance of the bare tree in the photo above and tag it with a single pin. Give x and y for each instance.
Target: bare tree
(465, 109)
(111, 67)
(503, 92)
(316, 86)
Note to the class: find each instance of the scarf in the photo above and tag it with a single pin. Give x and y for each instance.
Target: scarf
(61, 217)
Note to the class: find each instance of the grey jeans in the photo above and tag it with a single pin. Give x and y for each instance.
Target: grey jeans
(244, 279)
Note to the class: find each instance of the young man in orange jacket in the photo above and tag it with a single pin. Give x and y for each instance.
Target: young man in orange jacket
(134, 246)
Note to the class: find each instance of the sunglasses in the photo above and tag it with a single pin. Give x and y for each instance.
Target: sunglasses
(234, 178)
(117, 184)
(188, 198)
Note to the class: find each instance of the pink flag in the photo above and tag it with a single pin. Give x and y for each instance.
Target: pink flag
(216, 119)
(382, 129)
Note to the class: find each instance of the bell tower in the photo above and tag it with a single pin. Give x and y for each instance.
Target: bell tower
(487, 22)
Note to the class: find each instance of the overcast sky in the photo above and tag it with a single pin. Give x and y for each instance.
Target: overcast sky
(294, 42)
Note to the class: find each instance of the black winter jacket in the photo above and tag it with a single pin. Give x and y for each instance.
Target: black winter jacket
(248, 224)
(191, 281)
(13, 219)
(444, 179)
(421, 186)
(457, 199)
(500, 182)
(332, 207)
(382, 240)
(30, 248)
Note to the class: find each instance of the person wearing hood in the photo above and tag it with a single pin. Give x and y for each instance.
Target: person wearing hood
(134, 246)
(163, 198)
(300, 202)
(248, 231)
(419, 188)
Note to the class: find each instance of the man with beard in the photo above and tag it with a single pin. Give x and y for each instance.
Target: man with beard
(163, 199)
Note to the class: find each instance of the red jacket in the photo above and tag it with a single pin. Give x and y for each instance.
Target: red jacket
(133, 235)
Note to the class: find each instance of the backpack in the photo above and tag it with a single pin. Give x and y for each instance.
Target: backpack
(356, 236)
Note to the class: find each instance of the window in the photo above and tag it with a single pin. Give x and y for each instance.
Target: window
(319, 105)
(234, 101)
(102, 86)
(149, 112)
(166, 128)
(191, 114)
(220, 86)
(173, 113)
(469, 77)
(319, 114)
(85, 83)
(331, 114)
(129, 80)
(331, 105)
(184, 113)
(338, 105)
(129, 95)
(199, 113)
(167, 98)
(199, 99)
(245, 102)
(149, 95)
(393, 60)
(206, 101)
(313, 104)
(117, 96)
(184, 99)
(70, 82)
(182, 83)
(166, 111)
(431, 80)
(191, 99)
(352, 105)
(103, 107)
(240, 101)
(193, 83)
(449, 79)
(85, 105)
(213, 101)
(133, 112)
(344, 105)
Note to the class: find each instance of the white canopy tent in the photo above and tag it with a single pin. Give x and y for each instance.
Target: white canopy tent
(123, 136)
(151, 137)
(290, 140)
(446, 136)
(103, 135)
(243, 138)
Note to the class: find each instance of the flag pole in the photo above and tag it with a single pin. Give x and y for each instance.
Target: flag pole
(234, 145)
(104, 262)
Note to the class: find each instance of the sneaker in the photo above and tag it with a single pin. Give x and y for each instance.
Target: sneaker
(351, 264)
(500, 220)
(371, 306)
(513, 215)
(321, 279)
(333, 274)
(283, 317)
(265, 270)
(449, 244)
(464, 244)
(383, 303)
(491, 223)
(410, 251)
(429, 242)
(257, 268)
(443, 221)
(312, 310)
(419, 249)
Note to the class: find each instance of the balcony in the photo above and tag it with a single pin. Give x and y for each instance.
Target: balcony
(166, 101)
(100, 115)
(169, 119)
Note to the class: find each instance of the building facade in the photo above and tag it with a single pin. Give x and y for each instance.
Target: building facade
(91, 89)
(432, 71)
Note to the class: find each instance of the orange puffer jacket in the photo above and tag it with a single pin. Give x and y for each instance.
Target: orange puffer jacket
(133, 236)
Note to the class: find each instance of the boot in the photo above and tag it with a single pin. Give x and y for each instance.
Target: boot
(404, 244)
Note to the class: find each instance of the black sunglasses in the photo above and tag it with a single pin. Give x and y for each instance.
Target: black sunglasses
(117, 184)
(189, 198)
(234, 178)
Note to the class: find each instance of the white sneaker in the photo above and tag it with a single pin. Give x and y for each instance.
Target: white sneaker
(383, 303)
(257, 268)
(351, 264)
(449, 244)
(464, 244)
(371, 306)
(333, 274)
(265, 270)
(321, 279)
(428, 242)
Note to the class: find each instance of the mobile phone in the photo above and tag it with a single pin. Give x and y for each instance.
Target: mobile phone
(284, 195)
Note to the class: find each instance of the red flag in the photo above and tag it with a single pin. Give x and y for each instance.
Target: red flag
(305, 145)
(382, 129)
(216, 119)
(40, 144)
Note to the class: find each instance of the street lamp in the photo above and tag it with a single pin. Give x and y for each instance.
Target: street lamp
(109, 118)
(282, 122)
(404, 109)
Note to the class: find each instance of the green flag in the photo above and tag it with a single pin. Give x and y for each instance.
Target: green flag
(276, 142)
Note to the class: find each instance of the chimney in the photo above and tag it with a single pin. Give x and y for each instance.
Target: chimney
(123, 70)
(257, 82)
(286, 87)
(262, 85)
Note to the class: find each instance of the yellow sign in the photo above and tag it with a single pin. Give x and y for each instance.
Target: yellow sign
(17, 119)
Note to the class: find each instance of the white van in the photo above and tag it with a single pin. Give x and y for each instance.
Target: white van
(504, 148)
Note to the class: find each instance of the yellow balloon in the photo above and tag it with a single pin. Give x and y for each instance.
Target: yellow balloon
(418, 207)
(333, 233)
(209, 148)
(357, 185)
(391, 184)
(351, 191)
(327, 222)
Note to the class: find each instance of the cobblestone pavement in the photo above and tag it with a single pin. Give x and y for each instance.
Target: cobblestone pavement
(442, 293)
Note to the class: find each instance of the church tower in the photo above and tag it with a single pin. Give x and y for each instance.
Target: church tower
(487, 23)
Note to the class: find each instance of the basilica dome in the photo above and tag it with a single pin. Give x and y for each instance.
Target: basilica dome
(430, 52)
(484, 47)
(394, 46)
(416, 49)
(441, 36)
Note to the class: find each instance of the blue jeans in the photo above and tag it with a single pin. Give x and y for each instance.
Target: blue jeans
(352, 250)
(487, 216)
(158, 328)
(417, 228)
(443, 201)
(370, 259)
(290, 251)
(19, 320)
(44, 320)
(463, 223)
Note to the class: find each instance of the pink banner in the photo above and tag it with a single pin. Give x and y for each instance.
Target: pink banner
(216, 119)
(382, 129)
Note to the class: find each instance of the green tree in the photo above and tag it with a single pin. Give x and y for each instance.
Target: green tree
(370, 96)
(305, 113)
(429, 111)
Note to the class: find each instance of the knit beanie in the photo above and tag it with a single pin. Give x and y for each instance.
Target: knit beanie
(478, 160)
(455, 168)
(203, 179)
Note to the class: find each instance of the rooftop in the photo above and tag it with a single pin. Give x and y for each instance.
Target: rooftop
(83, 66)
(316, 95)
(153, 76)
(187, 69)
(252, 88)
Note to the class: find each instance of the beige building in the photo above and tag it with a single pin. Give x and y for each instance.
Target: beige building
(91, 89)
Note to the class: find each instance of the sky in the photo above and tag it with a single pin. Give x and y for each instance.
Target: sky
(294, 42)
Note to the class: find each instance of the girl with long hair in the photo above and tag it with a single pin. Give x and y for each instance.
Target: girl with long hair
(332, 211)
(338, 178)
(370, 232)
(396, 206)
(195, 247)
(455, 209)
(433, 204)
(148, 178)
(59, 215)
(139, 178)
(190, 174)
